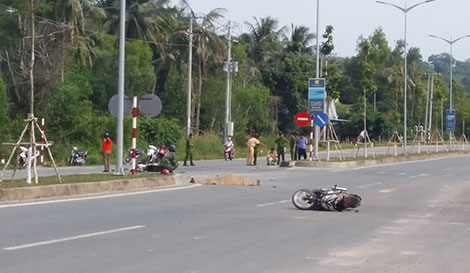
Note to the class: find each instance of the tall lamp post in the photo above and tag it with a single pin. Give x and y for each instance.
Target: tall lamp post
(405, 10)
(451, 43)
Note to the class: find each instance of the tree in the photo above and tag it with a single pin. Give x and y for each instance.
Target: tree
(210, 50)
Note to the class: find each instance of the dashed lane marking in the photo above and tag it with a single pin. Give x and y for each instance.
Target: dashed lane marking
(368, 185)
(387, 190)
(420, 175)
(72, 238)
(272, 203)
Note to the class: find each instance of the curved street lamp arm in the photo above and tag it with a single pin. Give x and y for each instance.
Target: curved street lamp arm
(393, 5)
(415, 5)
(444, 39)
(458, 39)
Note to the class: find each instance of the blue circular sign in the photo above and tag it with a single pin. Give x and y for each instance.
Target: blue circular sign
(321, 119)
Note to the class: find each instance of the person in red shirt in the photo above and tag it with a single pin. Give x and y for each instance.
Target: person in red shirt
(106, 150)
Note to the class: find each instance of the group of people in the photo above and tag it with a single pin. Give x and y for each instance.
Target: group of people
(298, 147)
(276, 155)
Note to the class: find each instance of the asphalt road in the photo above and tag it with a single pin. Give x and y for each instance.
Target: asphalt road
(221, 167)
(415, 217)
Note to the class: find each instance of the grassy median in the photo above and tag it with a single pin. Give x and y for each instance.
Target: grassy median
(68, 179)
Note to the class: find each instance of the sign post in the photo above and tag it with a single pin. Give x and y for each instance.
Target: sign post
(316, 104)
(450, 124)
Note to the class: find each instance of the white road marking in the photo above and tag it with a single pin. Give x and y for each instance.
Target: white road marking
(420, 175)
(382, 172)
(266, 204)
(369, 185)
(72, 238)
(447, 169)
(387, 190)
(272, 203)
(95, 197)
(401, 173)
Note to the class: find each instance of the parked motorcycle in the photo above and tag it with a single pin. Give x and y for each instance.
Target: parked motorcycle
(23, 157)
(138, 155)
(229, 151)
(77, 157)
(335, 198)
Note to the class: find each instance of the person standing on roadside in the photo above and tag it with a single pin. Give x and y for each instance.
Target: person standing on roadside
(293, 146)
(281, 143)
(251, 145)
(189, 151)
(302, 147)
(106, 150)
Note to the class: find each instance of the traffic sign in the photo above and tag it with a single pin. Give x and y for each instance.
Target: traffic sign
(321, 119)
(150, 105)
(316, 96)
(450, 120)
(302, 119)
(113, 105)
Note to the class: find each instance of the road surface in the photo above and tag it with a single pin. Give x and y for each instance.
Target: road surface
(415, 217)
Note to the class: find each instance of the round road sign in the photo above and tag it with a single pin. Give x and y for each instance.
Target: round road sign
(302, 119)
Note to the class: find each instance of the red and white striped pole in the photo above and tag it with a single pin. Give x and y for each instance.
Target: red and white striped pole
(134, 129)
(311, 137)
(42, 140)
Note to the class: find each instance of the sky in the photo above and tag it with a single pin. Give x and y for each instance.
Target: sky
(353, 18)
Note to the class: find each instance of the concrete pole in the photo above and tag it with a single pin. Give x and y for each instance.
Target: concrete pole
(120, 118)
(427, 105)
(317, 129)
(227, 91)
(190, 66)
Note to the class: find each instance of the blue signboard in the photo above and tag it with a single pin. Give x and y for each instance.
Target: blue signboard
(321, 119)
(450, 120)
(316, 96)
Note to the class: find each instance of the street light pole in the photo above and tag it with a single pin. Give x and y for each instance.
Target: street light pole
(451, 43)
(190, 65)
(120, 118)
(405, 10)
(227, 92)
(317, 75)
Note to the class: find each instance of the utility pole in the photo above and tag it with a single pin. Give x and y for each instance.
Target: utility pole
(190, 65)
(427, 104)
(228, 128)
(120, 117)
(317, 129)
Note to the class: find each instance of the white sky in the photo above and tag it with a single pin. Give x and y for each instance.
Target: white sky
(352, 18)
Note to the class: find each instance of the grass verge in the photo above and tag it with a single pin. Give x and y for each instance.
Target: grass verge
(69, 179)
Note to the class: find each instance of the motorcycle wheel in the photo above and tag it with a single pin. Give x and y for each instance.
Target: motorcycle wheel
(226, 156)
(304, 199)
(127, 160)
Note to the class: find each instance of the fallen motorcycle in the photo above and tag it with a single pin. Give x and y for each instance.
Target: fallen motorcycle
(128, 158)
(335, 198)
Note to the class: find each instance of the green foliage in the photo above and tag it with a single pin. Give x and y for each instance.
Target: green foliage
(160, 131)
(139, 72)
(213, 104)
(69, 111)
(250, 109)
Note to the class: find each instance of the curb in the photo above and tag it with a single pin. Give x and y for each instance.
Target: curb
(370, 162)
(81, 189)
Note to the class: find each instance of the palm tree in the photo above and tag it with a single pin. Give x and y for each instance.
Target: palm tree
(210, 49)
(299, 40)
(264, 40)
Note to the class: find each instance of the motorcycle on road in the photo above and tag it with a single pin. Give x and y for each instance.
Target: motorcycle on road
(335, 198)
